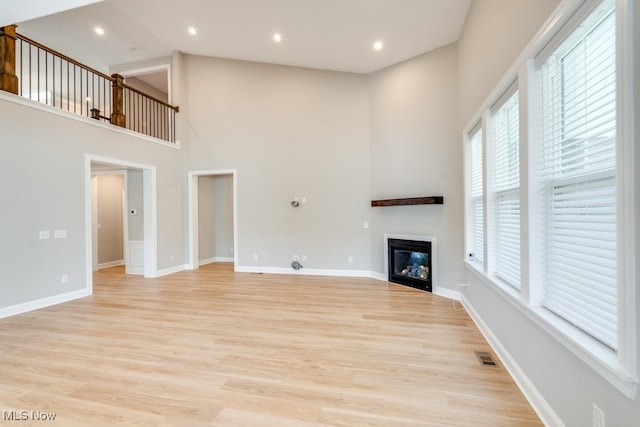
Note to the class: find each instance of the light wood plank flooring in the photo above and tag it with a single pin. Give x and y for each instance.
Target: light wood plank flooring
(217, 348)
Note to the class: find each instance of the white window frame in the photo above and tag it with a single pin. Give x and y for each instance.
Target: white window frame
(475, 252)
(494, 194)
(619, 368)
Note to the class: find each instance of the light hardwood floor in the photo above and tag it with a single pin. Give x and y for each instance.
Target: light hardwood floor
(217, 348)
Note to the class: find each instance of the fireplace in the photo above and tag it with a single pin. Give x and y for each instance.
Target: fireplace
(410, 262)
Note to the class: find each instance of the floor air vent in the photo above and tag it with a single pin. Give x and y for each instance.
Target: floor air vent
(485, 359)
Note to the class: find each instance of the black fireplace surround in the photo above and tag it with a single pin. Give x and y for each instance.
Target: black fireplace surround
(410, 263)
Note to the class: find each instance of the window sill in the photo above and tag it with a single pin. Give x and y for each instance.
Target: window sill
(597, 356)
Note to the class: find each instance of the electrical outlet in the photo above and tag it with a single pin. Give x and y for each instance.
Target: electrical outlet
(304, 257)
(296, 257)
(598, 416)
(255, 257)
(64, 279)
(350, 258)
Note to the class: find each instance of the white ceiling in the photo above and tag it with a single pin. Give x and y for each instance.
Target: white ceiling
(14, 11)
(324, 34)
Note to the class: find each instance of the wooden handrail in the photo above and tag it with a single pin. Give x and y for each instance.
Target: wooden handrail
(93, 70)
(142, 113)
(63, 56)
(159, 101)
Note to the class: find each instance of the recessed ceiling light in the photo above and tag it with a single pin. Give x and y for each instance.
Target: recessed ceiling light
(277, 37)
(99, 31)
(192, 31)
(378, 45)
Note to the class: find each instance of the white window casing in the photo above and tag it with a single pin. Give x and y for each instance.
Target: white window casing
(504, 164)
(475, 197)
(566, 228)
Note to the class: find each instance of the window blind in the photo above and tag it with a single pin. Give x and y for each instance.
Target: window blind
(506, 191)
(475, 214)
(578, 175)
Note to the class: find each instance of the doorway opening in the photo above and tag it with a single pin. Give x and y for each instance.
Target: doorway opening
(109, 220)
(131, 239)
(213, 231)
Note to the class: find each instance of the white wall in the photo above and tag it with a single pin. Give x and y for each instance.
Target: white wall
(215, 217)
(495, 32)
(206, 218)
(135, 201)
(110, 224)
(338, 139)
(142, 86)
(415, 151)
(494, 35)
(289, 132)
(223, 215)
(42, 179)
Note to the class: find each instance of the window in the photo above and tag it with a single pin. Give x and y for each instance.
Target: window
(475, 204)
(578, 177)
(506, 191)
(554, 218)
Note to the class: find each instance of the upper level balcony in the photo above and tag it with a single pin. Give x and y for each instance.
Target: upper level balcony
(33, 71)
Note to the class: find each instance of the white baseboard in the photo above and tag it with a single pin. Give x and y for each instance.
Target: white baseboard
(379, 276)
(215, 259)
(438, 290)
(531, 393)
(110, 264)
(43, 302)
(57, 299)
(171, 270)
(135, 269)
(446, 293)
(303, 271)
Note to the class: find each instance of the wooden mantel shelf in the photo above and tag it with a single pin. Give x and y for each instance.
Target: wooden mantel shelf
(431, 200)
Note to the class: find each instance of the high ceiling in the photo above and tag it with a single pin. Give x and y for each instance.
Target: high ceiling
(325, 34)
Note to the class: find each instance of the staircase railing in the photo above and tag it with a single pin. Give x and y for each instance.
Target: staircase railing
(34, 71)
